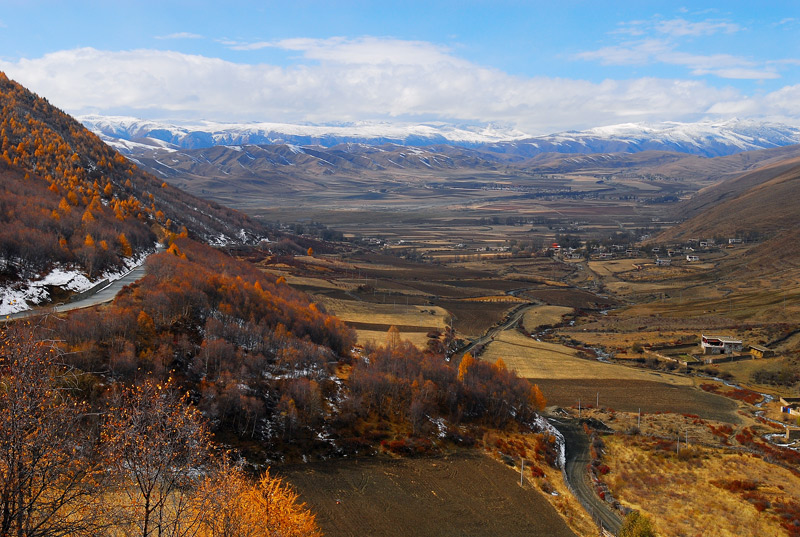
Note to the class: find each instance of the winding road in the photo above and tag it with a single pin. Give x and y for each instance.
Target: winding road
(577, 475)
(576, 442)
(100, 296)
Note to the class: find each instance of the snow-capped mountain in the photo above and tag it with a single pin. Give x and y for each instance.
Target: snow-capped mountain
(706, 138)
(128, 133)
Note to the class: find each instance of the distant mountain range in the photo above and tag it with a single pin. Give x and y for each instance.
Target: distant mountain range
(706, 138)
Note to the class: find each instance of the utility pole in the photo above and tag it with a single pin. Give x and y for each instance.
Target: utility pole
(579, 408)
(639, 420)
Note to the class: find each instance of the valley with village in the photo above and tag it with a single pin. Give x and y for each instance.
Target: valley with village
(673, 362)
(384, 269)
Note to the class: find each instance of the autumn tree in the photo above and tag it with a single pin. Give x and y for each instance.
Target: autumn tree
(156, 443)
(467, 361)
(392, 337)
(49, 479)
(234, 506)
(539, 400)
(636, 525)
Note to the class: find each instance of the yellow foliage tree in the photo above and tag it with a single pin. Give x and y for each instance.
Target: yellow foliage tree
(466, 362)
(125, 245)
(392, 337)
(537, 397)
(233, 506)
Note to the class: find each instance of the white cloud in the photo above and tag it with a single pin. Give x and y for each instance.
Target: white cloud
(649, 51)
(369, 79)
(665, 49)
(682, 27)
(180, 35)
(364, 50)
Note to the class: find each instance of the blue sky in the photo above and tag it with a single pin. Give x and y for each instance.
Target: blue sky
(537, 67)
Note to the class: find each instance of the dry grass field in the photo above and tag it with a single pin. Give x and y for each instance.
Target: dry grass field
(565, 379)
(542, 360)
(377, 338)
(704, 491)
(539, 316)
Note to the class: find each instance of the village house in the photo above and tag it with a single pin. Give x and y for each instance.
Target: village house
(720, 345)
(759, 351)
(690, 258)
(663, 261)
(790, 405)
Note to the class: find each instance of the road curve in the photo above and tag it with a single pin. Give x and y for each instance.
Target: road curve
(577, 475)
(101, 296)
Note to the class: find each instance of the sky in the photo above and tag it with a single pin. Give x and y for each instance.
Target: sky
(527, 66)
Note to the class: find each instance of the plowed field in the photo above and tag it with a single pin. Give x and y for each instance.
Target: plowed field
(464, 495)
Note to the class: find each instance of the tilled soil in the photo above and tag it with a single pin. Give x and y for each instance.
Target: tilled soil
(633, 395)
(461, 495)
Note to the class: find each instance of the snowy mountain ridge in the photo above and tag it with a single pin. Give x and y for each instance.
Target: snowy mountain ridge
(707, 138)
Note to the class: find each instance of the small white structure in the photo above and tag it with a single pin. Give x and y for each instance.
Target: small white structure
(691, 258)
(720, 345)
(663, 261)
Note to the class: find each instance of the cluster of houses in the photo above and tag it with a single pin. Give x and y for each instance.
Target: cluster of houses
(723, 345)
(663, 257)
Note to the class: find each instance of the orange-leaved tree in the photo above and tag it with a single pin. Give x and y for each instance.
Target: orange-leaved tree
(234, 506)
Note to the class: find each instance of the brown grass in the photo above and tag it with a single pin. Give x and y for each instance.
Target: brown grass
(385, 314)
(544, 316)
(632, 395)
(678, 494)
(542, 360)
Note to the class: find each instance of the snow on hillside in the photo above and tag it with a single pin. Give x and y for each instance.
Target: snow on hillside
(743, 134)
(708, 138)
(207, 133)
(22, 296)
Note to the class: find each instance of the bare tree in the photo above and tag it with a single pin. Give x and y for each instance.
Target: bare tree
(49, 475)
(158, 446)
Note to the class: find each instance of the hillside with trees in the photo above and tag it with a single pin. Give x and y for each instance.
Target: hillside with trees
(112, 418)
(270, 369)
(69, 201)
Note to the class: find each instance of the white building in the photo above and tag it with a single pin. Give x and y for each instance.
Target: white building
(720, 345)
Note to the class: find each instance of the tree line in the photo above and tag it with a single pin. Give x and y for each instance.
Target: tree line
(139, 461)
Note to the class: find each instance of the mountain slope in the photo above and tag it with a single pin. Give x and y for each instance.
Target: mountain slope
(705, 138)
(71, 203)
(757, 202)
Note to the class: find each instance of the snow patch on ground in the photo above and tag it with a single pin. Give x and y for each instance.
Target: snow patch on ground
(21, 296)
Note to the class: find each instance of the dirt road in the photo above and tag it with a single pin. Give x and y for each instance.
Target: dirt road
(577, 461)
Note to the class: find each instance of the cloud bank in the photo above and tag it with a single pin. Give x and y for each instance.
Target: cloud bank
(374, 79)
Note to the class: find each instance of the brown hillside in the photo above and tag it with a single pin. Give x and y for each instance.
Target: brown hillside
(760, 203)
(69, 199)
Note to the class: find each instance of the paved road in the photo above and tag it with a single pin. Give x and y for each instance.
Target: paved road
(578, 459)
(511, 321)
(101, 296)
